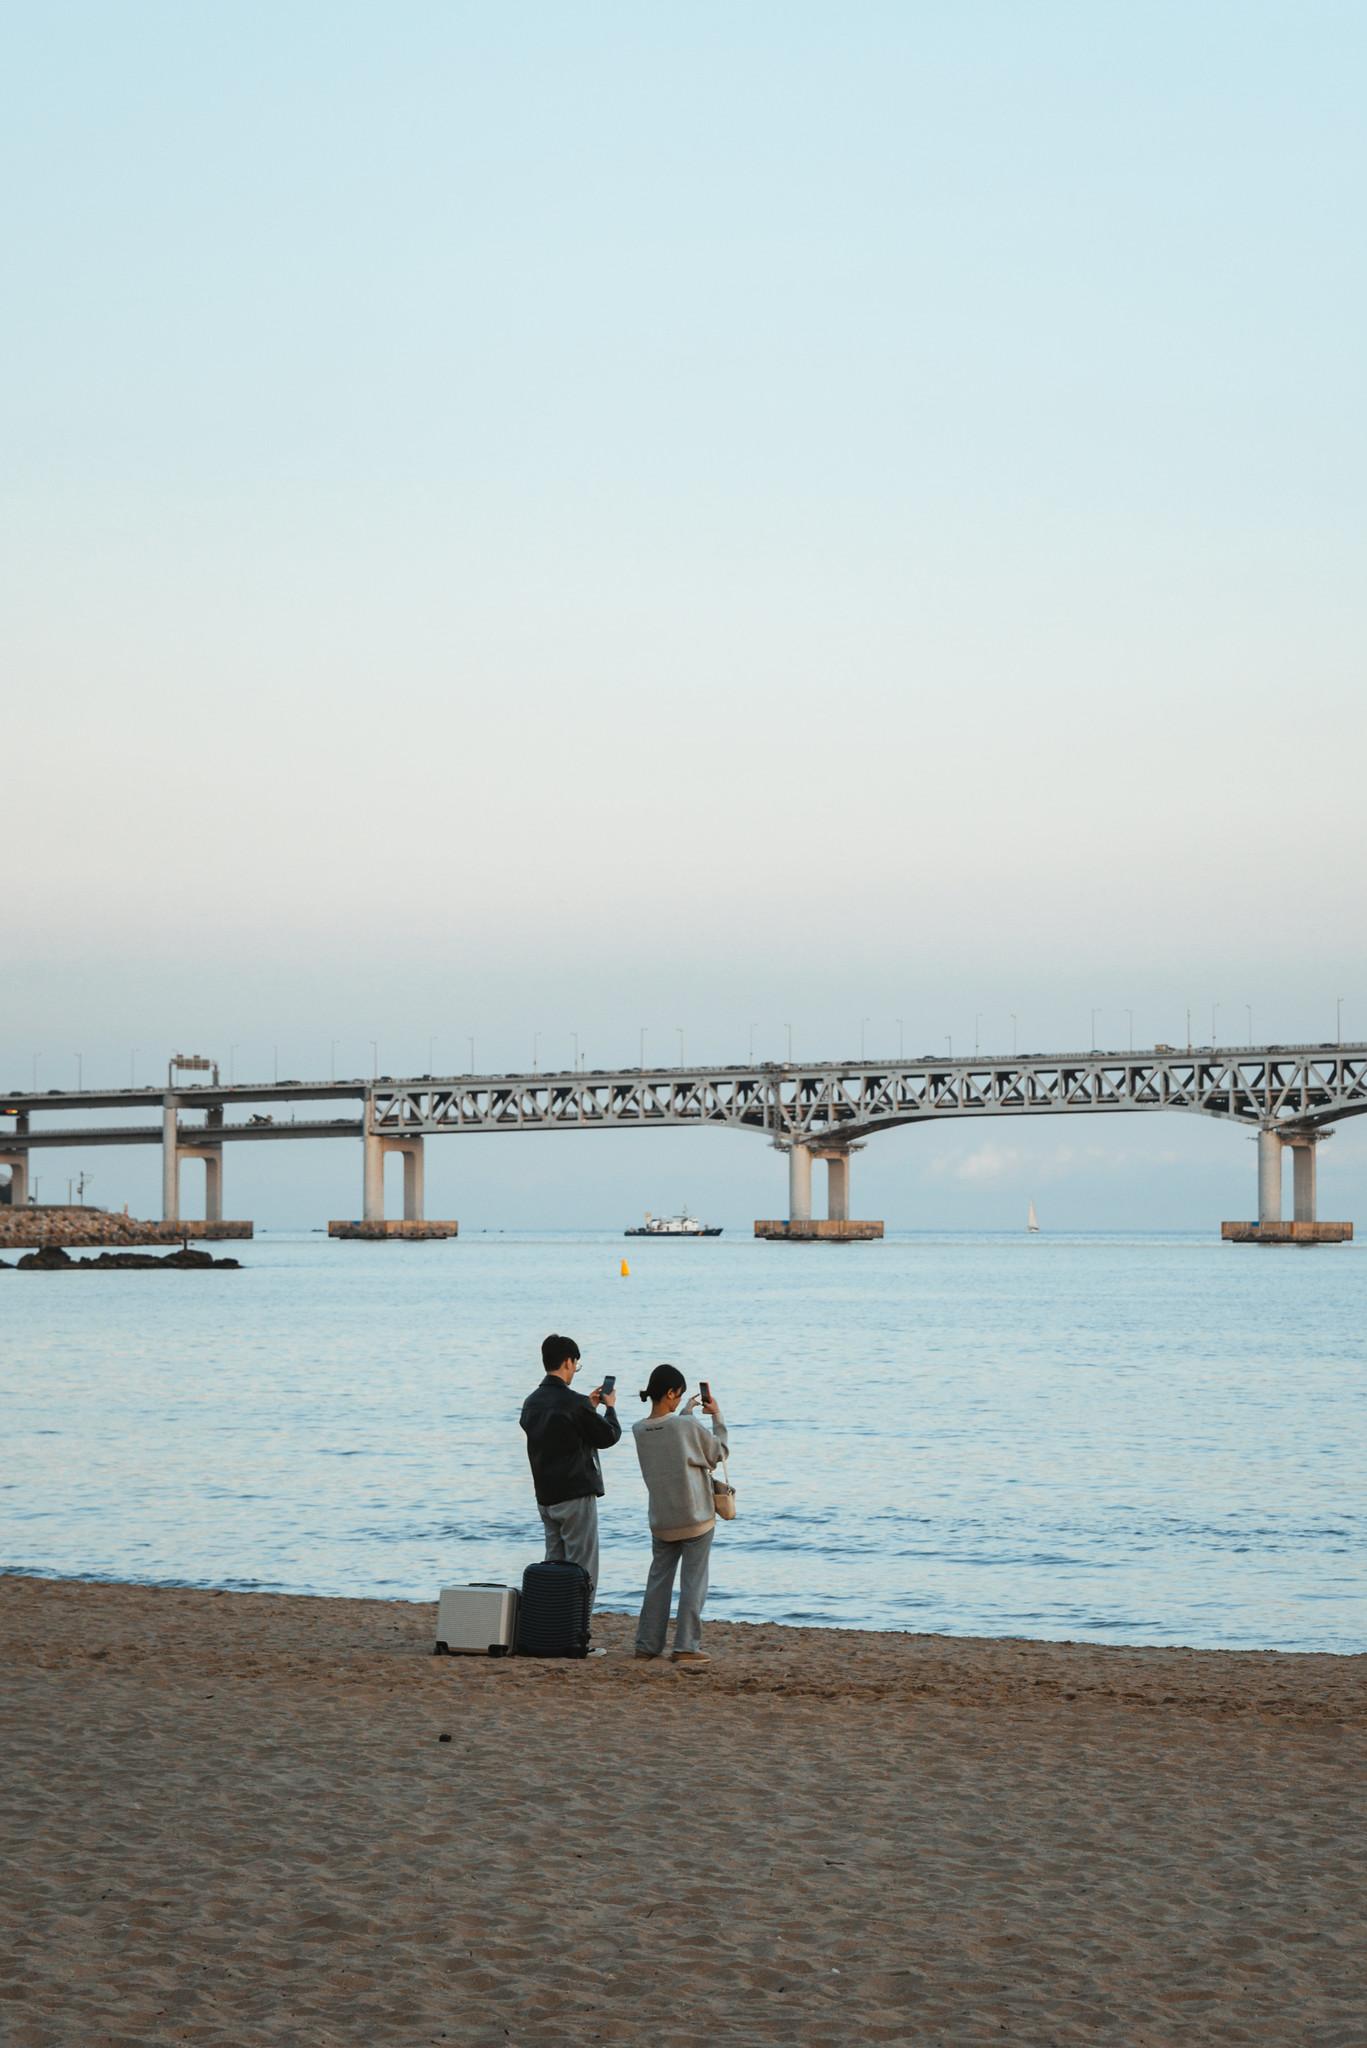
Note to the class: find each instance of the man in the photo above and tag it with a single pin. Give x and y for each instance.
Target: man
(565, 1433)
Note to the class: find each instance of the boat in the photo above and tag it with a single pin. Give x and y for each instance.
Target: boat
(682, 1225)
(1032, 1220)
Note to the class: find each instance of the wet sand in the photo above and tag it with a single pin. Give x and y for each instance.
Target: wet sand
(231, 1819)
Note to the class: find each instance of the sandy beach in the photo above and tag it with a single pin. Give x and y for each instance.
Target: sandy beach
(235, 1818)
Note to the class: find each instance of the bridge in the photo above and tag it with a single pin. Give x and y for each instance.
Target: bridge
(1289, 1095)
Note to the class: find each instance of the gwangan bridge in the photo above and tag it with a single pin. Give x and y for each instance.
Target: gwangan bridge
(1290, 1095)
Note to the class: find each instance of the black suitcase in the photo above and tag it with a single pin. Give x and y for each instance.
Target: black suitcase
(553, 1618)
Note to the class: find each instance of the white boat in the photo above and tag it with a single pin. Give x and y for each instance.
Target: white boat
(1032, 1220)
(682, 1225)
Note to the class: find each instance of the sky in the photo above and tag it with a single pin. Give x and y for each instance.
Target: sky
(574, 520)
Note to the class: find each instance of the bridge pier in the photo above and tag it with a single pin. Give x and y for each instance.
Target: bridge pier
(1269, 1178)
(377, 1150)
(1302, 1147)
(799, 1183)
(837, 1186)
(377, 1145)
(1304, 1227)
(170, 1162)
(212, 1155)
(177, 1145)
(801, 1226)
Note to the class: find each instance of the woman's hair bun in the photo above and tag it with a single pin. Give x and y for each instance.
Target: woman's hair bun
(666, 1379)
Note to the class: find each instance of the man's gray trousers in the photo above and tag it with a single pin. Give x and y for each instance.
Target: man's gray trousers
(572, 1536)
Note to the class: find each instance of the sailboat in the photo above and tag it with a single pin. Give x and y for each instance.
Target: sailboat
(1032, 1220)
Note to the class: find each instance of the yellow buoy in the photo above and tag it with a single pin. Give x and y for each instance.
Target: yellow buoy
(626, 1270)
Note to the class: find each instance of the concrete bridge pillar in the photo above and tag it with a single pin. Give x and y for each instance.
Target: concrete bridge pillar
(170, 1162)
(372, 1190)
(377, 1149)
(838, 1186)
(213, 1171)
(799, 1183)
(412, 1180)
(212, 1155)
(1269, 1177)
(1303, 1146)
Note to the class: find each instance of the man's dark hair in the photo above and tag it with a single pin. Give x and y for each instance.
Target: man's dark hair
(556, 1350)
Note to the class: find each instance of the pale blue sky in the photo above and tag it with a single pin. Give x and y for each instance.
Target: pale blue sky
(578, 517)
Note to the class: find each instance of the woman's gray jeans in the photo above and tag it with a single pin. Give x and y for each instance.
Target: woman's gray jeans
(665, 1559)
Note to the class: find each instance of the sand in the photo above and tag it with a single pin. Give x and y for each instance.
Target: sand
(232, 1819)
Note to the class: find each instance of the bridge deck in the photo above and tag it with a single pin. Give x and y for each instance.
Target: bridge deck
(1304, 1086)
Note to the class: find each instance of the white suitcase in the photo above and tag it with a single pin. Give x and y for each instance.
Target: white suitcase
(476, 1621)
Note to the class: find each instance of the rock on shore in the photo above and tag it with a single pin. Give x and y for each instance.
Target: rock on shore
(52, 1259)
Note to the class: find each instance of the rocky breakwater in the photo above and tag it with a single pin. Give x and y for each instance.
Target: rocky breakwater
(53, 1259)
(34, 1227)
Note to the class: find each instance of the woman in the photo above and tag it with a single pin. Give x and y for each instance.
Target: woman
(677, 1455)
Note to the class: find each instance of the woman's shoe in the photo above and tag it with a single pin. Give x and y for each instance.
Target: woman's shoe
(690, 1660)
(648, 1656)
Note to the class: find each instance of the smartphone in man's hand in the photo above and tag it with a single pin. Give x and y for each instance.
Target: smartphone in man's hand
(706, 1391)
(609, 1386)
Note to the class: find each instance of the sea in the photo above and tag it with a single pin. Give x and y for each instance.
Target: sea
(1103, 1438)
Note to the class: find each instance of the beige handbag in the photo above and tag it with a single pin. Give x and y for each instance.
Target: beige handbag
(724, 1494)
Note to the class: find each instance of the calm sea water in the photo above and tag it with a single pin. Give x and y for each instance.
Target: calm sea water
(1119, 1439)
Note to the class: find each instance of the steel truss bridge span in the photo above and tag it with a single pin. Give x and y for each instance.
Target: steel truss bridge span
(1288, 1094)
(835, 1103)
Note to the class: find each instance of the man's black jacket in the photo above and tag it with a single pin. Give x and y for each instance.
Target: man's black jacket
(564, 1433)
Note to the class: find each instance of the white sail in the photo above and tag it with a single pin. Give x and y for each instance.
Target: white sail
(1032, 1220)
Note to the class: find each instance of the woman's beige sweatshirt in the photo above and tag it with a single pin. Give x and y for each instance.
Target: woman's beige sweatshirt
(677, 1455)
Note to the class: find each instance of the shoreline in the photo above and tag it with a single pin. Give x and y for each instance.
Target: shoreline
(42, 1575)
(258, 1820)
(778, 1657)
